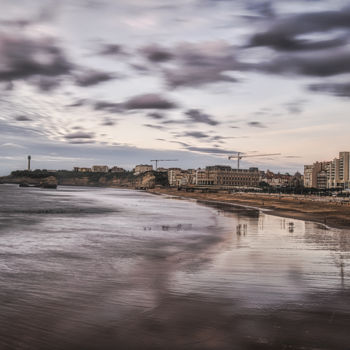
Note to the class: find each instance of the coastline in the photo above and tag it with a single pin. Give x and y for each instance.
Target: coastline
(329, 214)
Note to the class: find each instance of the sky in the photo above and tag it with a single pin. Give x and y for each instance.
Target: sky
(121, 82)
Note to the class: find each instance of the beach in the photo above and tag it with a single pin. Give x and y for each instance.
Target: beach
(332, 212)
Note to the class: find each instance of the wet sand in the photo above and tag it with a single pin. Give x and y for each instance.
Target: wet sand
(333, 214)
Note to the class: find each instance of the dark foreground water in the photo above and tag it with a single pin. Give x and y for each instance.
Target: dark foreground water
(84, 268)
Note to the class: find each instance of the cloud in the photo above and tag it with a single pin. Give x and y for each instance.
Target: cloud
(283, 33)
(196, 134)
(92, 77)
(79, 103)
(22, 118)
(24, 58)
(156, 53)
(330, 63)
(79, 135)
(283, 43)
(138, 102)
(197, 116)
(110, 107)
(11, 145)
(296, 106)
(112, 50)
(336, 89)
(108, 122)
(194, 64)
(211, 150)
(156, 115)
(153, 126)
(255, 124)
(149, 101)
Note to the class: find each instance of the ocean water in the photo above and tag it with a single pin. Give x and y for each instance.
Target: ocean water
(96, 268)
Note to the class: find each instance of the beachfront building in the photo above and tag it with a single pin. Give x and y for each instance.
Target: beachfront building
(332, 174)
(116, 169)
(100, 169)
(276, 180)
(317, 175)
(142, 168)
(178, 177)
(225, 176)
(82, 170)
(339, 173)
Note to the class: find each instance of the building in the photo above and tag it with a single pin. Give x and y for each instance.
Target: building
(83, 170)
(142, 168)
(317, 175)
(225, 176)
(339, 173)
(332, 174)
(178, 177)
(100, 169)
(116, 169)
(308, 176)
(276, 180)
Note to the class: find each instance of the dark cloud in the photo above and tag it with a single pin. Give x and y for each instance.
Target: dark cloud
(263, 8)
(330, 63)
(337, 89)
(92, 77)
(255, 124)
(282, 34)
(145, 101)
(156, 53)
(212, 150)
(153, 126)
(112, 50)
(108, 122)
(22, 118)
(110, 107)
(194, 65)
(196, 134)
(197, 116)
(156, 115)
(23, 58)
(280, 42)
(149, 101)
(79, 135)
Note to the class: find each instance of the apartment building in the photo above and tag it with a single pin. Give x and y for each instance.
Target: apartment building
(332, 174)
(316, 175)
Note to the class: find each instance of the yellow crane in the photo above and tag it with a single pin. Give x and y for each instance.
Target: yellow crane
(241, 155)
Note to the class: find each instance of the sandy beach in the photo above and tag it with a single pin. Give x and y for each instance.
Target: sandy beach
(332, 212)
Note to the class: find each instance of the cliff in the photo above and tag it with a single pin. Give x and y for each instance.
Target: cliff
(146, 180)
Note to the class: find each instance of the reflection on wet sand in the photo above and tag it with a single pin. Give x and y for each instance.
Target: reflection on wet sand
(105, 269)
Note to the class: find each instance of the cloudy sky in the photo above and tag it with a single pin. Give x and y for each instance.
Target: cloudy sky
(120, 82)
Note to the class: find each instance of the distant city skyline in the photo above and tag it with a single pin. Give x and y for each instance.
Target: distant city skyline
(123, 82)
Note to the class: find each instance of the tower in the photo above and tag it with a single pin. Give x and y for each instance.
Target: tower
(29, 158)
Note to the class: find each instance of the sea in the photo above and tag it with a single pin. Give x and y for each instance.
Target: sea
(105, 268)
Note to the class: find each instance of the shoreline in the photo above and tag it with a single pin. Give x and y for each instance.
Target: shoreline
(329, 215)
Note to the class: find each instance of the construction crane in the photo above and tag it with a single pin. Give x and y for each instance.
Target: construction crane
(163, 160)
(241, 155)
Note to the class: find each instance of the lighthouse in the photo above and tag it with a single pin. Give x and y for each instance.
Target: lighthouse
(29, 158)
